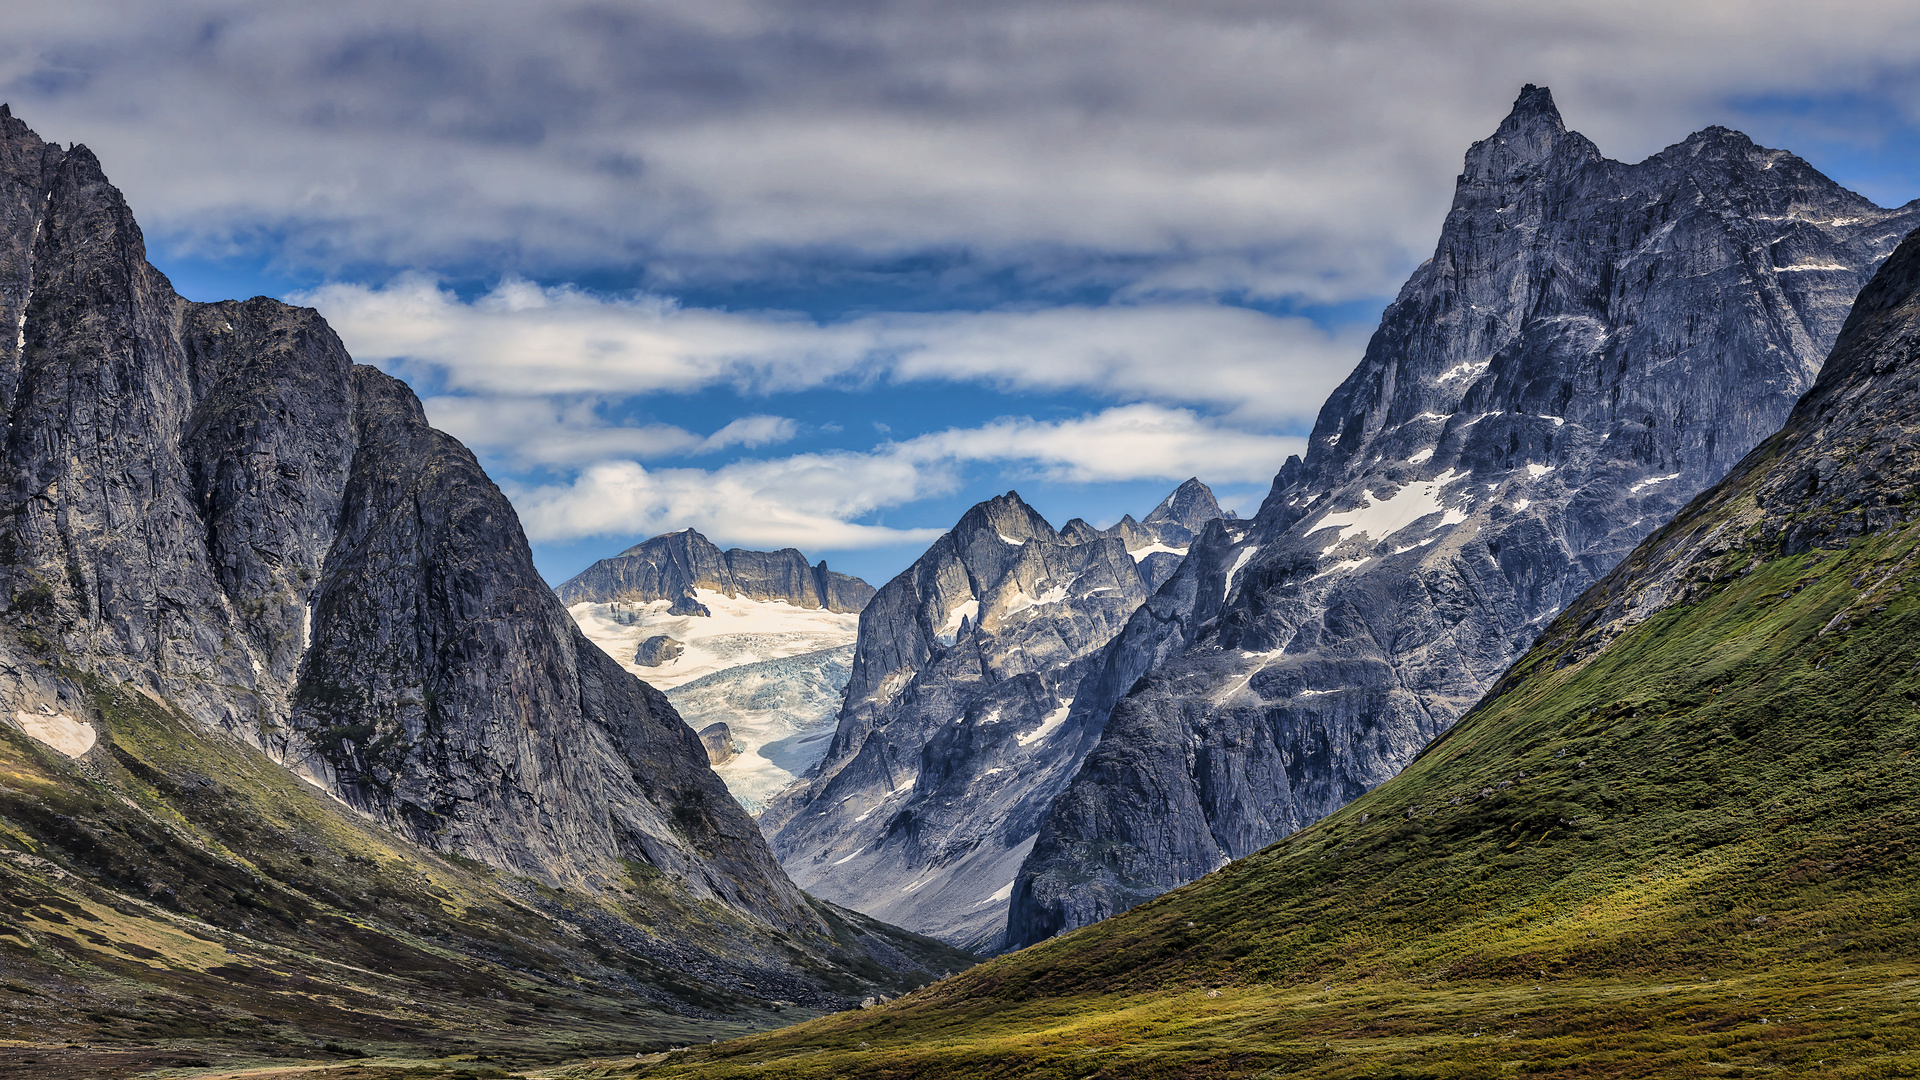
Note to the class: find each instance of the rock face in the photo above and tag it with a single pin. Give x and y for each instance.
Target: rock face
(212, 504)
(658, 649)
(674, 565)
(1591, 344)
(718, 739)
(959, 726)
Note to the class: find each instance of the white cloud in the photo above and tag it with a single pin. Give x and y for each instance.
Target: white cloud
(532, 431)
(810, 501)
(521, 338)
(1302, 148)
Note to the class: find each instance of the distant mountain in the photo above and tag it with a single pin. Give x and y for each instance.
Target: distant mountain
(1591, 345)
(768, 638)
(1675, 838)
(676, 564)
(279, 669)
(959, 725)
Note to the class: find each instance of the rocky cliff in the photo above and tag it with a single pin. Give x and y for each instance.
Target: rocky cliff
(1591, 344)
(959, 726)
(676, 564)
(210, 508)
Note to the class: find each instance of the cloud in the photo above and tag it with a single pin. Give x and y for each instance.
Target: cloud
(811, 501)
(566, 342)
(1302, 149)
(536, 431)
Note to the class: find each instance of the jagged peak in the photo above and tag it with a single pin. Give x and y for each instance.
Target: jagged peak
(1191, 504)
(1009, 515)
(1532, 133)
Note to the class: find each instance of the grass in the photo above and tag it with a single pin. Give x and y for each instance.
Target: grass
(178, 900)
(1690, 854)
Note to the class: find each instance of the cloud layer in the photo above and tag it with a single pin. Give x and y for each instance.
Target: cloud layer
(1298, 149)
(521, 338)
(812, 500)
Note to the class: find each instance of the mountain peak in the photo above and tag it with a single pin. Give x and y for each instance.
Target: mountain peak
(1534, 106)
(1191, 504)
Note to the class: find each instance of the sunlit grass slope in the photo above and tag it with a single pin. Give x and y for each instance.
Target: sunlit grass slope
(177, 899)
(1692, 854)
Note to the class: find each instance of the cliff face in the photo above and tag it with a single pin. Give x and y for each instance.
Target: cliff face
(1591, 344)
(212, 504)
(959, 726)
(673, 565)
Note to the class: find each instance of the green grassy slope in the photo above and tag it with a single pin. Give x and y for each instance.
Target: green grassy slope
(1678, 839)
(173, 899)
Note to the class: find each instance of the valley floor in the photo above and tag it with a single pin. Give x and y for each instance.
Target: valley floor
(1828, 1021)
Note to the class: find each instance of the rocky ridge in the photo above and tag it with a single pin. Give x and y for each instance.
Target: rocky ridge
(678, 564)
(959, 725)
(1591, 344)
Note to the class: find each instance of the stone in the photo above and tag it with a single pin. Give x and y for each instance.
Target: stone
(657, 650)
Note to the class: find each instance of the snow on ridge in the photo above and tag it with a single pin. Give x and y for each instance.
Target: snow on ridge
(1378, 519)
(1048, 725)
(1238, 562)
(1464, 370)
(1650, 481)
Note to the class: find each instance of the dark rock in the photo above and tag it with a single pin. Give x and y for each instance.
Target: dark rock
(685, 604)
(1591, 345)
(718, 739)
(658, 649)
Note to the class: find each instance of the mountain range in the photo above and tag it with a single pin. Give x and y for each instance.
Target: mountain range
(1675, 838)
(958, 725)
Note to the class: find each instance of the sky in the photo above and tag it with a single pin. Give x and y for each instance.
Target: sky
(825, 274)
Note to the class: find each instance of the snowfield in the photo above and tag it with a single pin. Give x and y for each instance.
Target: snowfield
(771, 671)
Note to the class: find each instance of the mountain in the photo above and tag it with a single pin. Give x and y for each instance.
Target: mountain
(757, 640)
(1591, 344)
(1676, 839)
(232, 558)
(676, 564)
(959, 726)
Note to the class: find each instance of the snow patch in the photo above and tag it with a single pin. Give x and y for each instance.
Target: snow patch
(1558, 421)
(1340, 568)
(1650, 481)
(949, 631)
(1422, 457)
(849, 858)
(1005, 892)
(1238, 562)
(1151, 549)
(1522, 504)
(1379, 519)
(1808, 266)
(1047, 726)
(1538, 471)
(1005, 539)
(1465, 371)
(58, 730)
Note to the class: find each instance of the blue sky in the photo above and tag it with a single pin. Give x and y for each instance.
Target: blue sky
(824, 275)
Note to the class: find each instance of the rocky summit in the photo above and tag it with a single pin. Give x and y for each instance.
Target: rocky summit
(255, 606)
(959, 724)
(679, 564)
(1591, 344)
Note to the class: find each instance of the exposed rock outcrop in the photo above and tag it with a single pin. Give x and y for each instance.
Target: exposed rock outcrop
(673, 565)
(1591, 344)
(718, 739)
(657, 650)
(959, 726)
